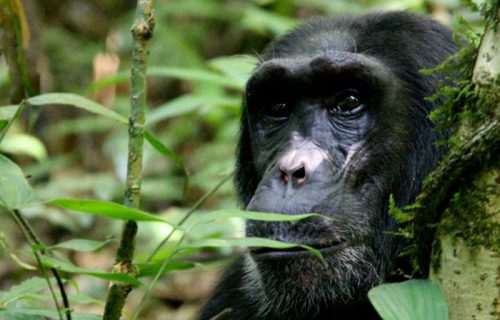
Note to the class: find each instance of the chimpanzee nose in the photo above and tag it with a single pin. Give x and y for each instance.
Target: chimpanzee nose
(297, 165)
(296, 175)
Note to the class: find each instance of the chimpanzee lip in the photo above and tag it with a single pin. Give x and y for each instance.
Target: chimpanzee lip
(261, 252)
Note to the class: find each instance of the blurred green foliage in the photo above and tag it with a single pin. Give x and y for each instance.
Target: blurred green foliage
(201, 54)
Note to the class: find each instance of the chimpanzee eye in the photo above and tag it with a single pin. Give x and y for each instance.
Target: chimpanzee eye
(278, 111)
(347, 103)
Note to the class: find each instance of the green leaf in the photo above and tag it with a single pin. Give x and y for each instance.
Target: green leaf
(84, 299)
(118, 78)
(194, 75)
(409, 300)
(239, 67)
(7, 116)
(76, 101)
(8, 112)
(30, 286)
(33, 313)
(251, 215)
(70, 268)
(79, 125)
(182, 105)
(189, 74)
(188, 103)
(106, 209)
(263, 21)
(17, 314)
(73, 298)
(24, 144)
(161, 148)
(15, 192)
(247, 242)
(82, 245)
(151, 269)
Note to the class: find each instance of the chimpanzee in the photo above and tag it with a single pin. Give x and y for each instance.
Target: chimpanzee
(335, 121)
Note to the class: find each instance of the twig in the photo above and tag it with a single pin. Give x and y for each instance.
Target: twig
(32, 239)
(195, 207)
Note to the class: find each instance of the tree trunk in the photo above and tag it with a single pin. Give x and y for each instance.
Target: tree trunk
(466, 257)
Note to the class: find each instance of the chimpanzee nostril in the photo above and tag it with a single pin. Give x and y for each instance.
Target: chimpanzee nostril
(300, 173)
(299, 162)
(283, 177)
(297, 175)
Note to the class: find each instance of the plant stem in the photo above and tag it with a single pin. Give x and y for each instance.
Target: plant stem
(142, 31)
(195, 207)
(32, 239)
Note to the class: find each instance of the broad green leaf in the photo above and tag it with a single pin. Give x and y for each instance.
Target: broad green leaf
(247, 242)
(106, 209)
(150, 269)
(76, 101)
(70, 268)
(24, 144)
(82, 245)
(15, 192)
(409, 300)
(30, 286)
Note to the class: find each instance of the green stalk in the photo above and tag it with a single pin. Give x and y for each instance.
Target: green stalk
(142, 31)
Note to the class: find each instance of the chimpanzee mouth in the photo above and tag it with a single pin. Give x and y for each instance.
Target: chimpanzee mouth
(261, 252)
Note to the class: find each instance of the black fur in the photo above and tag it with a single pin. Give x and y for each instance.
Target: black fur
(386, 147)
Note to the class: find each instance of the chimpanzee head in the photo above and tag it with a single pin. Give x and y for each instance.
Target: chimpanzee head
(335, 120)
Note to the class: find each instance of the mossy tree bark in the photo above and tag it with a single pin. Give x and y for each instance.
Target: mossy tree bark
(465, 259)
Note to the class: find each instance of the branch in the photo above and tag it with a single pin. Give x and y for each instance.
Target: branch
(142, 31)
(461, 164)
